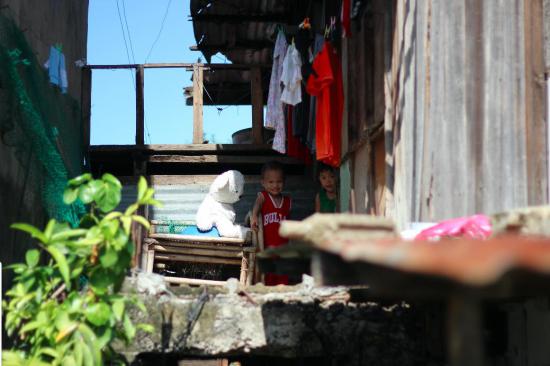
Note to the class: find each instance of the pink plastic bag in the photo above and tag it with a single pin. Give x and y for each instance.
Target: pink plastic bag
(472, 227)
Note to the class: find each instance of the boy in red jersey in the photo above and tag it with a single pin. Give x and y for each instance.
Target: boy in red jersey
(274, 207)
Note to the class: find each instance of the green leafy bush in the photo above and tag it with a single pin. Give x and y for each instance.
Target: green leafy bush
(64, 308)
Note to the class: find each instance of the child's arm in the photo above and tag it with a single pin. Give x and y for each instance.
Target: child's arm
(256, 211)
(317, 203)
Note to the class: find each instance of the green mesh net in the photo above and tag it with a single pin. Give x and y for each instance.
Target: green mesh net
(41, 124)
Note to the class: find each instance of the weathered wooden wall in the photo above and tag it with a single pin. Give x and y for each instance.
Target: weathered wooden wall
(465, 126)
(44, 23)
(47, 22)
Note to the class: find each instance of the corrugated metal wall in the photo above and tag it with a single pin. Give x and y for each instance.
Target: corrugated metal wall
(182, 196)
(466, 124)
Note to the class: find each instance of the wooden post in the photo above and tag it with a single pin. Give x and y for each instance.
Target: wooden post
(464, 331)
(86, 106)
(140, 108)
(244, 269)
(197, 103)
(257, 104)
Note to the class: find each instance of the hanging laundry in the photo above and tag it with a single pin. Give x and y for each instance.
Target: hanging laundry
(291, 77)
(346, 18)
(310, 143)
(275, 116)
(295, 148)
(326, 84)
(300, 118)
(56, 69)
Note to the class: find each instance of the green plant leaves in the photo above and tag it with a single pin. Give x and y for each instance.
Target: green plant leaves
(70, 195)
(109, 257)
(98, 314)
(100, 280)
(32, 257)
(118, 308)
(62, 264)
(129, 328)
(65, 309)
(34, 232)
(79, 180)
(109, 178)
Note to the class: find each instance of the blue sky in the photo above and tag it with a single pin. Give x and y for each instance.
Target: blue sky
(168, 120)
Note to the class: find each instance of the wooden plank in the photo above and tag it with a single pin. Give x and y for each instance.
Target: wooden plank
(198, 239)
(221, 247)
(217, 252)
(535, 99)
(177, 65)
(193, 281)
(196, 259)
(186, 148)
(140, 107)
(257, 105)
(150, 261)
(86, 106)
(197, 245)
(230, 159)
(197, 104)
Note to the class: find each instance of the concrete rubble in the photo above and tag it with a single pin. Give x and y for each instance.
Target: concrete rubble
(283, 321)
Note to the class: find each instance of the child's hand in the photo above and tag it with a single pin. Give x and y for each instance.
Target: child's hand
(254, 223)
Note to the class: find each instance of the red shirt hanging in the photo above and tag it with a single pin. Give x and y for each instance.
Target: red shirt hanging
(326, 84)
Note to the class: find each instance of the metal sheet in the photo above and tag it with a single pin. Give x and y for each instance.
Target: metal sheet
(181, 201)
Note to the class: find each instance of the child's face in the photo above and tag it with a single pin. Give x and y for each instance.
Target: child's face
(328, 181)
(273, 182)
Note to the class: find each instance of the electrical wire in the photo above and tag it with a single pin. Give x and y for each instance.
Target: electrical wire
(128, 31)
(148, 134)
(160, 31)
(133, 59)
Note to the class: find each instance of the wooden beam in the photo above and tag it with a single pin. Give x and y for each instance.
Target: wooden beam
(178, 65)
(243, 45)
(196, 239)
(196, 259)
(140, 106)
(192, 281)
(464, 331)
(535, 104)
(257, 105)
(86, 106)
(216, 159)
(184, 148)
(240, 18)
(213, 252)
(197, 104)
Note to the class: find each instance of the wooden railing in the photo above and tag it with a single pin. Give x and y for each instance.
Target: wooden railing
(256, 92)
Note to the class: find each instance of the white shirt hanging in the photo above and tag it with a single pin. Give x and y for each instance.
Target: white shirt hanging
(292, 77)
(275, 115)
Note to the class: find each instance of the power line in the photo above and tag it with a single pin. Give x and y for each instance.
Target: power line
(148, 134)
(160, 31)
(128, 53)
(128, 31)
(124, 37)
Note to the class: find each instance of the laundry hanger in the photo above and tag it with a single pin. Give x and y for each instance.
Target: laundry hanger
(305, 24)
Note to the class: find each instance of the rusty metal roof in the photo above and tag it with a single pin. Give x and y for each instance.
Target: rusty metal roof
(470, 262)
(367, 240)
(243, 30)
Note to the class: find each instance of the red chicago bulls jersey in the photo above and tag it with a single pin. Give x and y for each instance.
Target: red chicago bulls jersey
(272, 215)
